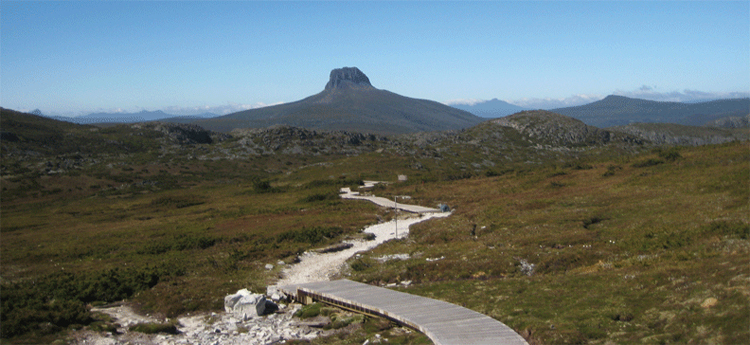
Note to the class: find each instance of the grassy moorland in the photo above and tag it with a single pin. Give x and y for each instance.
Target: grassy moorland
(594, 244)
(651, 248)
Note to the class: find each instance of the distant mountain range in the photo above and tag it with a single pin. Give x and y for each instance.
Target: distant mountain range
(143, 116)
(349, 102)
(490, 109)
(619, 110)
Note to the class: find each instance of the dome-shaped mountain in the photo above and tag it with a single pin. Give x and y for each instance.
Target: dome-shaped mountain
(349, 102)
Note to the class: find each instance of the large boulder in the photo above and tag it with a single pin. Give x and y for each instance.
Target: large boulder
(245, 305)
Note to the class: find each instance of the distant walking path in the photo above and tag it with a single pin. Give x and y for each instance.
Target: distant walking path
(444, 323)
(380, 201)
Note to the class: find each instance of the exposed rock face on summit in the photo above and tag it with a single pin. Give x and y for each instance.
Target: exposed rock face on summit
(350, 103)
(348, 77)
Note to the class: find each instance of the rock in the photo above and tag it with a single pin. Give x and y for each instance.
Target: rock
(275, 294)
(245, 305)
(709, 302)
(269, 267)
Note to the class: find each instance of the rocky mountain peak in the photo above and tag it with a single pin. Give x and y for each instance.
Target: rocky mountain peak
(347, 77)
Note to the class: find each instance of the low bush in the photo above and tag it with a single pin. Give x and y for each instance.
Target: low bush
(647, 163)
(153, 328)
(178, 201)
(320, 197)
(308, 311)
(58, 301)
(312, 235)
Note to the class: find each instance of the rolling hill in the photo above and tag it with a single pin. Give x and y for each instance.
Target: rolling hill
(349, 102)
(619, 110)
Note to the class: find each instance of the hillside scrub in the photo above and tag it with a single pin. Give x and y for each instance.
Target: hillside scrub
(590, 244)
(651, 253)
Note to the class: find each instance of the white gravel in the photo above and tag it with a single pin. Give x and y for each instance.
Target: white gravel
(315, 267)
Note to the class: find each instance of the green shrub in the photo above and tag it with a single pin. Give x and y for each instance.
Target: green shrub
(178, 201)
(737, 228)
(312, 235)
(179, 243)
(360, 264)
(647, 163)
(58, 301)
(672, 154)
(308, 311)
(262, 186)
(320, 197)
(153, 328)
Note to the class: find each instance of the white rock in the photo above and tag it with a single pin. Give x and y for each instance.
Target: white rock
(245, 305)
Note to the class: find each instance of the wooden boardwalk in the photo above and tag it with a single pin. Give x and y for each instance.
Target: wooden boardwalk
(444, 323)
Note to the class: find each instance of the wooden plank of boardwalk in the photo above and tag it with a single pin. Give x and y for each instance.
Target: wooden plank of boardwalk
(444, 323)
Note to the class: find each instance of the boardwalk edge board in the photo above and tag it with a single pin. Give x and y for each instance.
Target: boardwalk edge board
(428, 316)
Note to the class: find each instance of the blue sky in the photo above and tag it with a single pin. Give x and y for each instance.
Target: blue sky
(186, 57)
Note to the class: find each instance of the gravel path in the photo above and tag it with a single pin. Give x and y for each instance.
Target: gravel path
(223, 328)
(315, 267)
(384, 202)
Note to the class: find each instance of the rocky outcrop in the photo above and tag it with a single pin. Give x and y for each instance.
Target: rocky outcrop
(673, 134)
(182, 133)
(730, 122)
(554, 129)
(298, 141)
(348, 77)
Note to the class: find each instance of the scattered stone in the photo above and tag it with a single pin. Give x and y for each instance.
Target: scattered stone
(390, 257)
(526, 267)
(709, 302)
(269, 267)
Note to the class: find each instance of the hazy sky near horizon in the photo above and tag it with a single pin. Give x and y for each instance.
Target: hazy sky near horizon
(73, 58)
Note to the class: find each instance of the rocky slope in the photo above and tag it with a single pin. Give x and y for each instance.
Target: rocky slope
(673, 134)
(730, 122)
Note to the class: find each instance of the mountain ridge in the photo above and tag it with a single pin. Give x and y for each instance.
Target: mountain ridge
(142, 116)
(616, 110)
